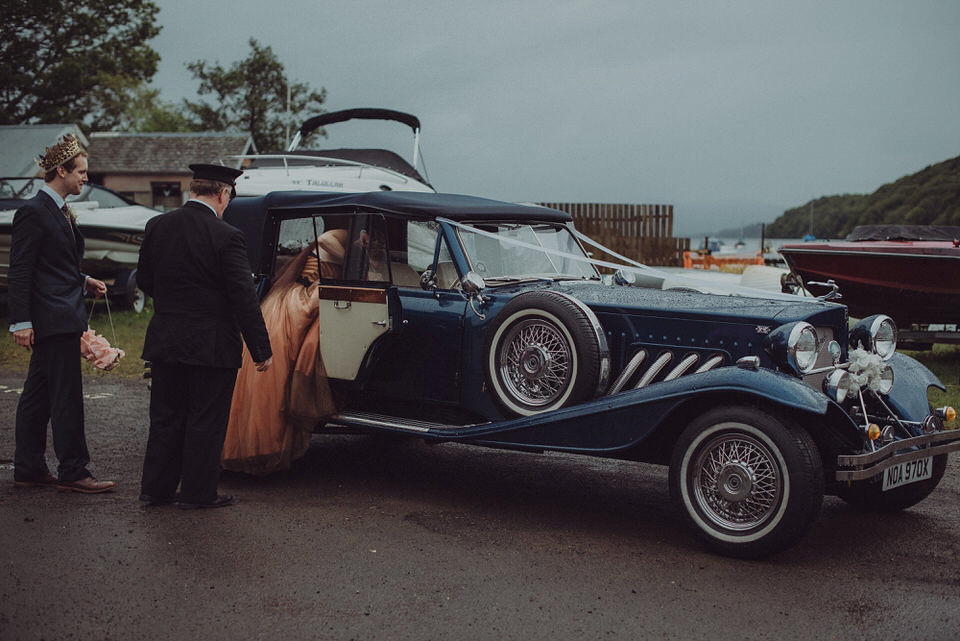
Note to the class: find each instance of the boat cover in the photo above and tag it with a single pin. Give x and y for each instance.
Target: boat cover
(374, 157)
(904, 232)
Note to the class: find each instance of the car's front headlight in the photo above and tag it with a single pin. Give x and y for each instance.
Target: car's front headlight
(795, 345)
(877, 334)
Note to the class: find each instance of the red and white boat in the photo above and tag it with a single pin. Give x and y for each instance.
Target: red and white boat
(910, 272)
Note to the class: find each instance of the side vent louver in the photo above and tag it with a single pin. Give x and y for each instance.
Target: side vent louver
(634, 376)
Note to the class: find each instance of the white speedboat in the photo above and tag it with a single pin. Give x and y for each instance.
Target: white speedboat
(340, 170)
(112, 228)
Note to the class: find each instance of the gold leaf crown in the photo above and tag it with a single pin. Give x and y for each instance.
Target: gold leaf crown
(60, 153)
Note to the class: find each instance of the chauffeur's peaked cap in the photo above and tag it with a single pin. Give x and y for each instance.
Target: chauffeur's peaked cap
(219, 173)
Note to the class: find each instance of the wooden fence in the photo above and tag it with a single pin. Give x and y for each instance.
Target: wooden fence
(641, 232)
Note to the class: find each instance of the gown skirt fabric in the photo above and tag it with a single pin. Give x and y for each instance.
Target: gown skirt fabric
(273, 413)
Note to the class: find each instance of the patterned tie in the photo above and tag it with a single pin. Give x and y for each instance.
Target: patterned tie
(66, 213)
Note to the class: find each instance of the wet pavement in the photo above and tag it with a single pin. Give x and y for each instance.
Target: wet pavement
(381, 538)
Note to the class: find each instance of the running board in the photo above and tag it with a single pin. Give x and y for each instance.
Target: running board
(381, 421)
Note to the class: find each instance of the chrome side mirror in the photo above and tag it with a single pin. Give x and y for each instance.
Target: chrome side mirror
(472, 285)
(427, 279)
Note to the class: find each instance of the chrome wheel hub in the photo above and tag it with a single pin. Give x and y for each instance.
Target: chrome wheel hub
(535, 362)
(736, 482)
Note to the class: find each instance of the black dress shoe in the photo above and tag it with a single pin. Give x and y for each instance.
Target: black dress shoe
(150, 499)
(47, 480)
(221, 501)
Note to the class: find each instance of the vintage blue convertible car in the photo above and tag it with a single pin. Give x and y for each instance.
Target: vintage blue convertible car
(461, 319)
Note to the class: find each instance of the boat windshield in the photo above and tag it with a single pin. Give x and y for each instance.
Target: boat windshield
(508, 252)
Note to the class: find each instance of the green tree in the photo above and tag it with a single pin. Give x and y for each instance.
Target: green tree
(145, 112)
(63, 61)
(251, 96)
(929, 197)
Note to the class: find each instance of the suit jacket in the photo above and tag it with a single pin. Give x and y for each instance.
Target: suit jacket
(195, 267)
(45, 286)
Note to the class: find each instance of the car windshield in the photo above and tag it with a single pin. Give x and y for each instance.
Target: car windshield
(514, 251)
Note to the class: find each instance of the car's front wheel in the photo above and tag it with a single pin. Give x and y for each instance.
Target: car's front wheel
(749, 483)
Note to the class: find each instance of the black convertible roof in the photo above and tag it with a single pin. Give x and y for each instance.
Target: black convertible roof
(400, 203)
(249, 213)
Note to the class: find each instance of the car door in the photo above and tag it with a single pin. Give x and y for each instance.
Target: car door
(354, 310)
(421, 361)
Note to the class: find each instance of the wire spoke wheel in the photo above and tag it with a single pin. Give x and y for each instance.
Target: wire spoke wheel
(749, 482)
(737, 482)
(535, 362)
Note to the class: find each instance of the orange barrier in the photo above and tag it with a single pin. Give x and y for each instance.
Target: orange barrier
(706, 260)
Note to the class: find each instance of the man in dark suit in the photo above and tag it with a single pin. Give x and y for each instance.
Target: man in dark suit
(195, 267)
(47, 314)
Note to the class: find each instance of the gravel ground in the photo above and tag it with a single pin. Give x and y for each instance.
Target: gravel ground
(378, 538)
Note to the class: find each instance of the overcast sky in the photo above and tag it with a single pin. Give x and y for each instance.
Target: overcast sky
(731, 110)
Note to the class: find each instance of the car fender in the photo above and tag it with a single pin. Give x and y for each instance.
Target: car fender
(610, 423)
(911, 379)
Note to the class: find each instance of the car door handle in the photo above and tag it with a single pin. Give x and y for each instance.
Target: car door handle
(382, 323)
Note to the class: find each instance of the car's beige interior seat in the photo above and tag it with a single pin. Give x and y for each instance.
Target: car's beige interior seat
(446, 275)
(404, 275)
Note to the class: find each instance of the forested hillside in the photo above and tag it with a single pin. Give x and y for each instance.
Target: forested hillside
(928, 197)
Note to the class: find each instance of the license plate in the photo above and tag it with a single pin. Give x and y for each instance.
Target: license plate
(908, 472)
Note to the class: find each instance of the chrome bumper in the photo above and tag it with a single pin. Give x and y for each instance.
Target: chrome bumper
(866, 466)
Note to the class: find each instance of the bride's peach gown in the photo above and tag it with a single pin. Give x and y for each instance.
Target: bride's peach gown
(273, 413)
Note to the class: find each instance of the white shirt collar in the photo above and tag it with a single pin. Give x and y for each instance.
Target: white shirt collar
(57, 198)
(207, 205)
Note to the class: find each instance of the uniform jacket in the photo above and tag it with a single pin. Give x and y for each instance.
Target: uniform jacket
(195, 267)
(44, 283)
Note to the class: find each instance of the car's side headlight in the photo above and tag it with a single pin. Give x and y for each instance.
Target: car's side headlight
(795, 345)
(877, 334)
(838, 385)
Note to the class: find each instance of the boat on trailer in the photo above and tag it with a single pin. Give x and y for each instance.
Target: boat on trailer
(340, 170)
(912, 272)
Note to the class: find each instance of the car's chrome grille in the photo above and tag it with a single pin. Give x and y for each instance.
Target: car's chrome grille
(646, 367)
(824, 335)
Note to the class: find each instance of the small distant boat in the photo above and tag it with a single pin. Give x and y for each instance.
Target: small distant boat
(911, 272)
(339, 170)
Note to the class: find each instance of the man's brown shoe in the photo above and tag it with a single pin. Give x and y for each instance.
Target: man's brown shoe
(47, 480)
(88, 485)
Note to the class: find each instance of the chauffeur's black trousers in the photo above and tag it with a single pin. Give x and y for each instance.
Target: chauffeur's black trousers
(189, 409)
(52, 393)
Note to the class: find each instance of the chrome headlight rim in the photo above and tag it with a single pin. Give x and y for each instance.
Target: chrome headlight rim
(883, 332)
(885, 381)
(838, 385)
(803, 357)
(877, 334)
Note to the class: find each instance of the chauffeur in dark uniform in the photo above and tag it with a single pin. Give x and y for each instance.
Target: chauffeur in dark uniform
(195, 267)
(47, 315)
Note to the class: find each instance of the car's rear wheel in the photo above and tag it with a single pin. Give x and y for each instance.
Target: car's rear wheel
(749, 483)
(544, 351)
(868, 496)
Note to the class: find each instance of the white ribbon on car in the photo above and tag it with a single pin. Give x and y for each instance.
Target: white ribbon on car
(672, 278)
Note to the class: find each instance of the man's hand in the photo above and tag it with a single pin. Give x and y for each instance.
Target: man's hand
(96, 287)
(24, 338)
(263, 366)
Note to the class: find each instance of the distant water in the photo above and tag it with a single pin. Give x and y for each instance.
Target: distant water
(750, 245)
